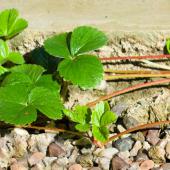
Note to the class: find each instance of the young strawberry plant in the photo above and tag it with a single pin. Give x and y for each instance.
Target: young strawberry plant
(26, 90)
(11, 24)
(7, 55)
(96, 119)
(78, 66)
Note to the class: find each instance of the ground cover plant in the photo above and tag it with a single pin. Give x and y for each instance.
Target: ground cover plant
(29, 90)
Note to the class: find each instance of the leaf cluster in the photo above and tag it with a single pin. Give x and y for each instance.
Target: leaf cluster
(96, 119)
(77, 65)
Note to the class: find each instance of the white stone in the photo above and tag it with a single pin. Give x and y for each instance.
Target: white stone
(137, 146)
(146, 145)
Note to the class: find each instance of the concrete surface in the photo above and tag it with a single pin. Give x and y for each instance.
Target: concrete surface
(109, 15)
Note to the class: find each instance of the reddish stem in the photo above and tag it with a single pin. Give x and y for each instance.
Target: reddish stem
(162, 56)
(135, 87)
(140, 127)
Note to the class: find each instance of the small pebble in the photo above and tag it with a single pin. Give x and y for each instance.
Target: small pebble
(167, 149)
(35, 158)
(137, 146)
(95, 168)
(134, 166)
(138, 136)
(118, 163)
(146, 145)
(85, 160)
(153, 136)
(147, 165)
(157, 154)
(18, 166)
(108, 153)
(166, 166)
(55, 150)
(75, 167)
(124, 155)
(124, 144)
(141, 156)
(104, 163)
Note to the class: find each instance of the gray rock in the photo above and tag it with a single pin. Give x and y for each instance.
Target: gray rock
(166, 166)
(134, 166)
(107, 153)
(62, 161)
(157, 154)
(55, 166)
(124, 144)
(118, 163)
(95, 168)
(125, 156)
(55, 150)
(104, 163)
(153, 136)
(119, 108)
(73, 156)
(141, 156)
(40, 142)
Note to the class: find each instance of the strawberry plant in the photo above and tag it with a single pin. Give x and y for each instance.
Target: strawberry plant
(96, 119)
(7, 55)
(27, 90)
(11, 24)
(78, 66)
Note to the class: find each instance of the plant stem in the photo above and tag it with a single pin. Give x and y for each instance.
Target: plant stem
(140, 127)
(162, 56)
(128, 76)
(135, 87)
(135, 71)
(155, 65)
(52, 129)
(128, 71)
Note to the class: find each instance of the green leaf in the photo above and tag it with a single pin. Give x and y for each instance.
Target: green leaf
(85, 39)
(11, 24)
(85, 71)
(33, 71)
(4, 51)
(21, 78)
(80, 114)
(168, 45)
(16, 79)
(108, 118)
(14, 106)
(97, 114)
(16, 58)
(3, 70)
(83, 127)
(46, 81)
(100, 133)
(57, 46)
(46, 102)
